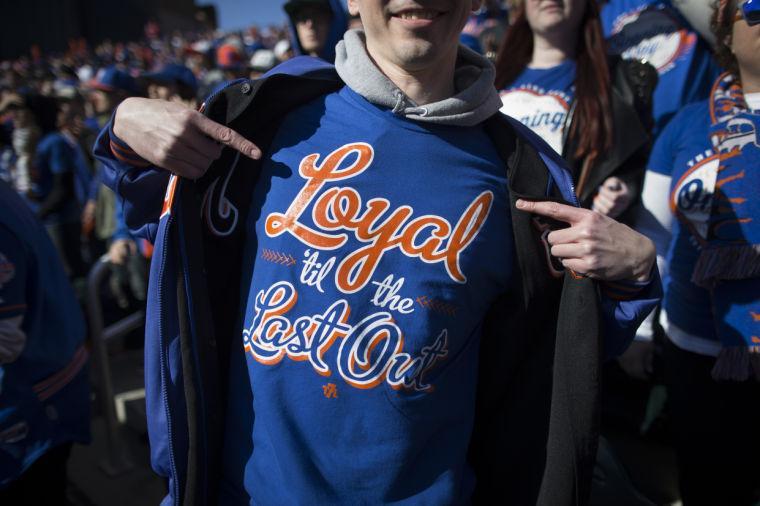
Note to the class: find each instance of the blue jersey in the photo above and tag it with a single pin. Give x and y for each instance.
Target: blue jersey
(380, 248)
(54, 155)
(541, 100)
(44, 396)
(684, 152)
(653, 31)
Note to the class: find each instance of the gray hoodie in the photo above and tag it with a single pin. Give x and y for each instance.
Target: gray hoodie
(475, 100)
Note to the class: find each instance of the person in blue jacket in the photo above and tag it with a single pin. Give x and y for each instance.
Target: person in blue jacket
(54, 178)
(44, 390)
(316, 26)
(352, 266)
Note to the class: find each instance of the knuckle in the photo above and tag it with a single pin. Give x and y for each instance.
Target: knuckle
(224, 134)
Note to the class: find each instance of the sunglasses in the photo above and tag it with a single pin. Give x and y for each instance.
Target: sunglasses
(749, 11)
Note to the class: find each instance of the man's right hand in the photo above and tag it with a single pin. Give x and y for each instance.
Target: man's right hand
(175, 137)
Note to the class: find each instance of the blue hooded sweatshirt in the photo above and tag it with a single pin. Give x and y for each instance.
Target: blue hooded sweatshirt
(338, 26)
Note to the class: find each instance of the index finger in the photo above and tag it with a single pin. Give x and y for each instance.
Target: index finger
(555, 210)
(227, 136)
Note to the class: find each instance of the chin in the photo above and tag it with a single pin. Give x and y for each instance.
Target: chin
(416, 53)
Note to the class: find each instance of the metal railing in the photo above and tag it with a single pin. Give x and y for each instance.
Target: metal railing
(118, 458)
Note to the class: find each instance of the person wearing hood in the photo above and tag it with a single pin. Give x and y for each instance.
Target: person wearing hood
(382, 240)
(316, 26)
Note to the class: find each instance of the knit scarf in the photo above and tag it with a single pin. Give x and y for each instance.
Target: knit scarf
(729, 261)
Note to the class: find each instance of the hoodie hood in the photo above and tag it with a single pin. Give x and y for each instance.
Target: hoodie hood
(475, 97)
(338, 25)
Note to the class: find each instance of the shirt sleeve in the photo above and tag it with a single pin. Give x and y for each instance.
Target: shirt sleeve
(139, 187)
(625, 305)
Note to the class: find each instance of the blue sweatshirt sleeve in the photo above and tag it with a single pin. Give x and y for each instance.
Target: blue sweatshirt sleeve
(625, 305)
(139, 186)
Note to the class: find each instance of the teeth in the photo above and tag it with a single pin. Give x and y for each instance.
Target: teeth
(418, 14)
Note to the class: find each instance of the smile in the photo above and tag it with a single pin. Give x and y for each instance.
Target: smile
(417, 14)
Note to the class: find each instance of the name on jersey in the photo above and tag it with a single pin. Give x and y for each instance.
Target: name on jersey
(370, 352)
(544, 112)
(338, 211)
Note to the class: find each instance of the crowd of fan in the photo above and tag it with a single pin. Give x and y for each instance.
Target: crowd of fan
(52, 107)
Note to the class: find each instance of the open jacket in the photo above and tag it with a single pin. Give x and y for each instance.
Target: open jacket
(633, 84)
(538, 395)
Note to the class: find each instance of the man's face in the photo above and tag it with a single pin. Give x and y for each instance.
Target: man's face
(101, 101)
(161, 91)
(413, 34)
(312, 26)
(546, 16)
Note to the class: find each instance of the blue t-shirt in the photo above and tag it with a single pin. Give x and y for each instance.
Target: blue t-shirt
(684, 152)
(541, 100)
(54, 155)
(652, 30)
(381, 244)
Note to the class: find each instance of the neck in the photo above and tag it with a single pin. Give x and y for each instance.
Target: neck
(549, 50)
(432, 83)
(750, 80)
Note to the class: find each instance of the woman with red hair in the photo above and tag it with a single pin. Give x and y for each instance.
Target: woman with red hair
(555, 77)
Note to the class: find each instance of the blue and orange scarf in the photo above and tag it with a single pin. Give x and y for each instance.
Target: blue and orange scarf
(729, 262)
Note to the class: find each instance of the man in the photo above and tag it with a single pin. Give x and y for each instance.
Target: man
(316, 26)
(44, 392)
(106, 90)
(383, 246)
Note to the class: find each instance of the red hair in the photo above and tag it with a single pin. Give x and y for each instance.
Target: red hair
(591, 129)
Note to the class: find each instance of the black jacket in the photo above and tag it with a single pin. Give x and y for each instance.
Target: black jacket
(633, 84)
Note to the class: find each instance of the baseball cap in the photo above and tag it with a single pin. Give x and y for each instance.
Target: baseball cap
(228, 56)
(281, 48)
(113, 79)
(293, 6)
(174, 73)
(263, 60)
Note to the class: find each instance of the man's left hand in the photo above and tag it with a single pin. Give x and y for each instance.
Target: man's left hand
(595, 245)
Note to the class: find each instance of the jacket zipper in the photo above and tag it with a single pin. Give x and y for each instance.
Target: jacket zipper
(162, 358)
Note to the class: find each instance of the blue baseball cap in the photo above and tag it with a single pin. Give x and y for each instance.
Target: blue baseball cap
(114, 79)
(173, 73)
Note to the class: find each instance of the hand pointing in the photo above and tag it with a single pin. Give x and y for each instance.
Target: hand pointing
(174, 137)
(595, 245)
